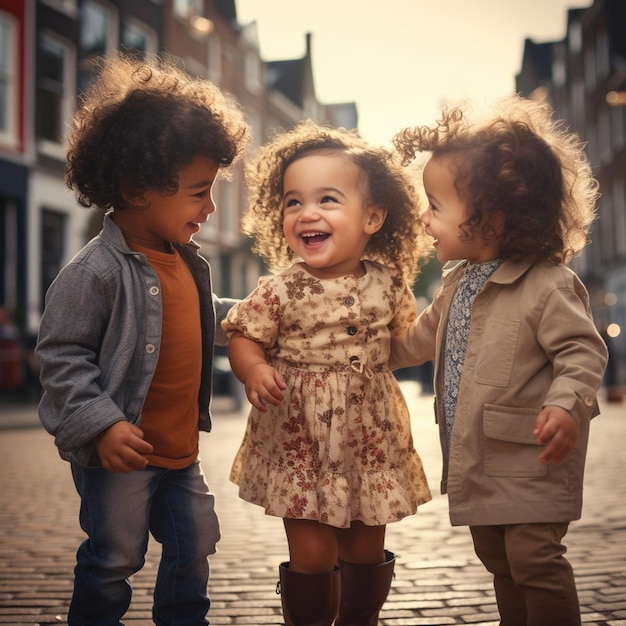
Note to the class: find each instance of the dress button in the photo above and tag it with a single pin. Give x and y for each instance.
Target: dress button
(154, 291)
(349, 301)
(351, 330)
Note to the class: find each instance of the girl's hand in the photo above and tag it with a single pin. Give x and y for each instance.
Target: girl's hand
(558, 430)
(264, 385)
(121, 448)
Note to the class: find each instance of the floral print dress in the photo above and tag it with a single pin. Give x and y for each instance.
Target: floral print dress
(339, 446)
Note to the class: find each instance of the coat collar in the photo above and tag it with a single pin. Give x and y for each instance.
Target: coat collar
(506, 274)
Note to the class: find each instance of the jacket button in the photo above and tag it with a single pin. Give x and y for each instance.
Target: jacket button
(150, 348)
(154, 291)
(352, 330)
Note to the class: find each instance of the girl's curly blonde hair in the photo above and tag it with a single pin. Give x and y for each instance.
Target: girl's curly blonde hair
(400, 243)
(521, 164)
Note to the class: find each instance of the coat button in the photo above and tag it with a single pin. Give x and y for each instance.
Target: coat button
(352, 330)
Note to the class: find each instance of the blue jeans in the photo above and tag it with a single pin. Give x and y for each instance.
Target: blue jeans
(118, 511)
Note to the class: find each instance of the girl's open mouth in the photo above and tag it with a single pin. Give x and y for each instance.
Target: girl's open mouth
(310, 239)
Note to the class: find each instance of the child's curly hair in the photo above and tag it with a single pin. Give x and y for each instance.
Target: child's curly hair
(400, 243)
(142, 120)
(521, 164)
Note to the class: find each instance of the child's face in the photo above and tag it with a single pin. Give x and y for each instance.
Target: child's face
(446, 212)
(326, 220)
(159, 218)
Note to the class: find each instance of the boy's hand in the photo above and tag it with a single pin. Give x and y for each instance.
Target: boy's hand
(558, 430)
(264, 385)
(121, 448)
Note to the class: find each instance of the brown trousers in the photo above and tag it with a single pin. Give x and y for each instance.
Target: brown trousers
(533, 581)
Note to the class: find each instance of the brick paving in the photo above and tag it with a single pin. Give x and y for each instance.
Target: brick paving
(438, 578)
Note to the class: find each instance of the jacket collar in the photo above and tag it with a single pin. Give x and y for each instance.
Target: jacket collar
(506, 274)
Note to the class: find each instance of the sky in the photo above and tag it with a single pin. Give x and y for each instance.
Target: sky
(401, 61)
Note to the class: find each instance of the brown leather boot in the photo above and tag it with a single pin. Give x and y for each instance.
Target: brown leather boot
(364, 589)
(308, 599)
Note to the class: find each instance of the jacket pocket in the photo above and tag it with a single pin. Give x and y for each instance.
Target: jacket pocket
(511, 448)
(497, 351)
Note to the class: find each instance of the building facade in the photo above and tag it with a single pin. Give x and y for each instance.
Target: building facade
(47, 52)
(583, 76)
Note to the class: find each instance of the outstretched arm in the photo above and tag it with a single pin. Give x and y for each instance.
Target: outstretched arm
(264, 385)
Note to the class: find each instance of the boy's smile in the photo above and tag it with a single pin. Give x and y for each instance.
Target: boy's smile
(158, 219)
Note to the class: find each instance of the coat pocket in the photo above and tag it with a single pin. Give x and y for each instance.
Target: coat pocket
(497, 351)
(511, 448)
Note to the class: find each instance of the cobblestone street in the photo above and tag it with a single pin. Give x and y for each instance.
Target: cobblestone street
(438, 579)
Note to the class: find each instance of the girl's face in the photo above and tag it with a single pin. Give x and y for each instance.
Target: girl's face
(326, 219)
(446, 212)
(159, 218)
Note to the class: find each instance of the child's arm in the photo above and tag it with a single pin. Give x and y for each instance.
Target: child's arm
(262, 382)
(558, 431)
(414, 343)
(569, 337)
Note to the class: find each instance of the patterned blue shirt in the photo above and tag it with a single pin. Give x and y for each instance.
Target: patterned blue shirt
(457, 333)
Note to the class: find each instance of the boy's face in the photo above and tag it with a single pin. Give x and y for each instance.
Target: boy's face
(446, 212)
(160, 218)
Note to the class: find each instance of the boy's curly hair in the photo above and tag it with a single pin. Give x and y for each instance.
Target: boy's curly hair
(139, 122)
(522, 165)
(400, 243)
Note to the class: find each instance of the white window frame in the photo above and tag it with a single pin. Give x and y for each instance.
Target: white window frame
(8, 75)
(46, 146)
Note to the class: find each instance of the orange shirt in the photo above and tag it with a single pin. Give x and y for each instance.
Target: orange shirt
(169, 418)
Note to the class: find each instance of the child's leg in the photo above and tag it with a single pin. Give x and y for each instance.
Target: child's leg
(114, 515)
(490, 546)
(312, 546)
(309, 582)
(366, 573)
(539, 570)
(543, 574)
(184, 522)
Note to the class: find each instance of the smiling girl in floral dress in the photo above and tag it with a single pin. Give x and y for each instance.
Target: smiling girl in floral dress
(328, 445)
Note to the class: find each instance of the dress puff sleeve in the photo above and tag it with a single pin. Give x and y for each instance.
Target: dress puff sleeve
(257, 316)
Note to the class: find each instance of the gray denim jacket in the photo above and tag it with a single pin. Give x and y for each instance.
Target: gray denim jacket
(99, 341)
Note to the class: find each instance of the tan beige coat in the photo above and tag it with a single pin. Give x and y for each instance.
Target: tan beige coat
(532, 343)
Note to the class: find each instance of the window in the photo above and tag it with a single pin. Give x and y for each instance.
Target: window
(185, 9)
(52, 247)
(619, 215)
(8, 77)
(97, 35)
(55, 87)
(215, 58)
(252, 72)
(138, 38)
